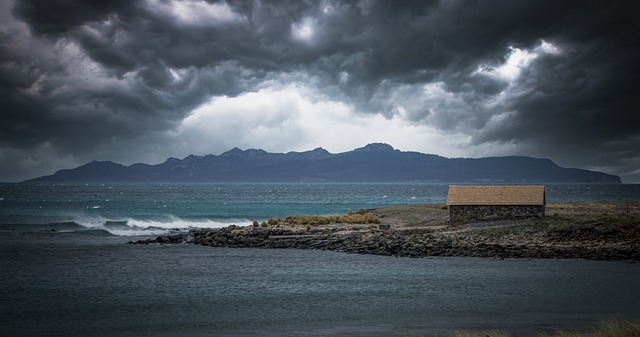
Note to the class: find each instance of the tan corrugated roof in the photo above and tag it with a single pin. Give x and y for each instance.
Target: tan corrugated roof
(496, 195)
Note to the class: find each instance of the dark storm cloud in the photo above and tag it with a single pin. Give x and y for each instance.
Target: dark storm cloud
(57, 17)
(91, 74)
(580, 106)
(138, 91)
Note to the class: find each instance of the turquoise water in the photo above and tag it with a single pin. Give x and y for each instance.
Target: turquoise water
(134, 209)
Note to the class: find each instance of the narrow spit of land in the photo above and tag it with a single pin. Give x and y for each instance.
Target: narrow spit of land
(588, 230)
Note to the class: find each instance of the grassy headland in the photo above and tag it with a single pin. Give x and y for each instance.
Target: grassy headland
(590, 230)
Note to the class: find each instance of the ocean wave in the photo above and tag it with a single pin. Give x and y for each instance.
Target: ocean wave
(142, 227)
(179, 223)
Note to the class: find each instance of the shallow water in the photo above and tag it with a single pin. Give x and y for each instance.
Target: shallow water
(71, 286)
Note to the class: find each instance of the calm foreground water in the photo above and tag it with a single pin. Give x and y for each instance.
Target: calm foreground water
(66, 270)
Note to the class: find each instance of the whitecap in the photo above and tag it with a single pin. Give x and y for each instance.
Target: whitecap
(185, 224)
(140, 227)
(138, 232)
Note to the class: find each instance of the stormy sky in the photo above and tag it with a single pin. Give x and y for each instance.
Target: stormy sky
(141, 81)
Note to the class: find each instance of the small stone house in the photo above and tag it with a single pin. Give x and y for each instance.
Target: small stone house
(495, 202)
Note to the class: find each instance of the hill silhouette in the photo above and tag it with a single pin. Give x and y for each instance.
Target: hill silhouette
(377, 162)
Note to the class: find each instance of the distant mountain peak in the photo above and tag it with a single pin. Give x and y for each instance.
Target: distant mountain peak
(316, 150)
(375, 147)
(101, 163)
(256, 151)
(232, 152)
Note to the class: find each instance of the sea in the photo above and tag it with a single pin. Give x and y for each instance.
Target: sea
(66, 268)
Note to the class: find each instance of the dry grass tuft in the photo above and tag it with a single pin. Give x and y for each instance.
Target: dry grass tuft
(349, 218)
(616, 328)
(610, 328)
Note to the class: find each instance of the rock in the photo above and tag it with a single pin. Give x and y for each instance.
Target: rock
(584, 243)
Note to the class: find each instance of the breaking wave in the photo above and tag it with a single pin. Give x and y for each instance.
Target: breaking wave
(139, 227)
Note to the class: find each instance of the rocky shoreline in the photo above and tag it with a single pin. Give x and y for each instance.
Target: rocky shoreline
(552, 237)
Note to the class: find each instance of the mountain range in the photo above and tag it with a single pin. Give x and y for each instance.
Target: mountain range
(379, 163)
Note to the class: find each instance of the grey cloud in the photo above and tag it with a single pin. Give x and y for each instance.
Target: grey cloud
(578, 106)
(373, 55)
(57, 17)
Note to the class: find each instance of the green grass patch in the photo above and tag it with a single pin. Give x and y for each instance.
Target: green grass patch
(551, 224)
(515, 228)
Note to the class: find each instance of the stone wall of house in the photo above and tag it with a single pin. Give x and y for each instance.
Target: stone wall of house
(464, 213)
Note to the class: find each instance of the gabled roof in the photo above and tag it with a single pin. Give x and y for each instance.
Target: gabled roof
(496, 195)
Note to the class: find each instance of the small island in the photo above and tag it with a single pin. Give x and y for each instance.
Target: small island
(607, 230)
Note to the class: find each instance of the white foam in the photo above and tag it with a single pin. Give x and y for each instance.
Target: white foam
(178, 223)
(93, 222)
(137, 232)
(139, 227)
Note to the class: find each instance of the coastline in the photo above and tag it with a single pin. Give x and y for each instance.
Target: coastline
(579, 230)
